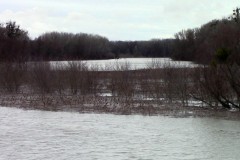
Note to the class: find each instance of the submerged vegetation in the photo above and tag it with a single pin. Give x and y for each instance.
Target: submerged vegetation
(154, 90)
(28, 80)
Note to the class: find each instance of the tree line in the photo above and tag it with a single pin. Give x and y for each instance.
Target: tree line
(216, 45)
(201, 44)
(65, 46)
(198, 45)
(15, 44)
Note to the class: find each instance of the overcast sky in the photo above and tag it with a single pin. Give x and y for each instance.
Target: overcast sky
(114, 19)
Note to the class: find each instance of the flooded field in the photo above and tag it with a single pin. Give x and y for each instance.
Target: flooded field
(63, 135)
(130, 63)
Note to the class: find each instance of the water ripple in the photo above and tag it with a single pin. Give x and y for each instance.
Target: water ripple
(35, 135)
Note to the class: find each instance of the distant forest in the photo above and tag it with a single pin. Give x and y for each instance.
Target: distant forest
(199, 44)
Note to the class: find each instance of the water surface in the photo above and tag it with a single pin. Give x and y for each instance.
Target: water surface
(129, 63)
(61, 135)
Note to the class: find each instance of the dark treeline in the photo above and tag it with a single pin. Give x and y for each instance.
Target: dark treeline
(199, 44)
(15, 45)
(67, 46)
(14, 42)
(63, 46)
(202, 44)
(152, 48)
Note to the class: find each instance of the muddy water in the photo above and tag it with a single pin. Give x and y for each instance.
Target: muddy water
(44, 135)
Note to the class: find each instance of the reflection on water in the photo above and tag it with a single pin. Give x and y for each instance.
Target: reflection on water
(60, 135)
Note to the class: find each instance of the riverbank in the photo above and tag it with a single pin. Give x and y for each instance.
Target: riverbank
(117, 105)
(160, 89)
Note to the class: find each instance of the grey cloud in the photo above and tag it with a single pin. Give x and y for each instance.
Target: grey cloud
(115, 19)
